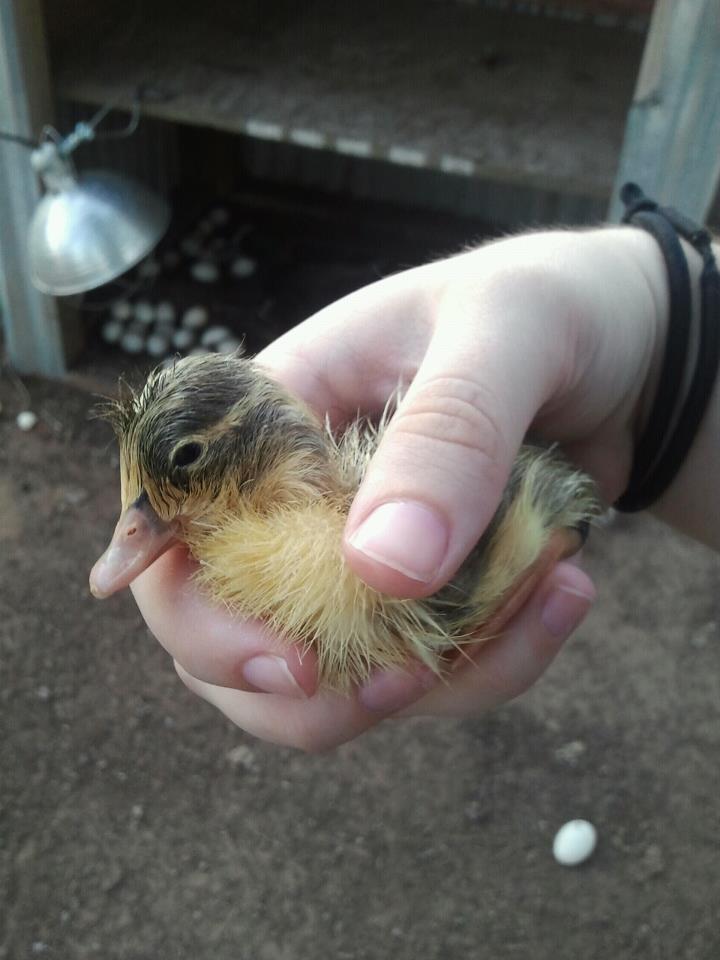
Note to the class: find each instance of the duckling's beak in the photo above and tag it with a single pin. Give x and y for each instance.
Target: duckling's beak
(140, 537)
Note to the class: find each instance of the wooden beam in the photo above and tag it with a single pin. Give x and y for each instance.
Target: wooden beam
(30, 319)
(672, 137)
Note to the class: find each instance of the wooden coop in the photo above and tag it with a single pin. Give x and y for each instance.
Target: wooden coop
(398, 129)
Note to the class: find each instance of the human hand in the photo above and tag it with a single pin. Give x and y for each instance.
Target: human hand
(529, 331)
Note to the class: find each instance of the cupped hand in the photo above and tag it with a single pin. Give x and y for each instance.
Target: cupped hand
(557, 332)
(212, 653)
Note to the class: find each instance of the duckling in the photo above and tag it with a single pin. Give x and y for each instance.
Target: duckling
(217, 455)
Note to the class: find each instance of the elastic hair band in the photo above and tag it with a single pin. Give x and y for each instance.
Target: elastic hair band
(673, 423)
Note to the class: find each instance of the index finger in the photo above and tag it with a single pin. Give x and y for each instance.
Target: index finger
(349, 357)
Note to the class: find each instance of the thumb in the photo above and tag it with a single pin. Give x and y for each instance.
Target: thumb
(438, 474)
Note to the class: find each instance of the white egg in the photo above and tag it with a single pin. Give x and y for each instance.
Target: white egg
(132, 342)
(157, 345)
(26, 420)
(215, 335)
(228, 346)
(242, 267)
(205, 271)
(144, 311)
(149, 268)
(183, 339)
(195, 318)
(574, 842)
(121, 310)
(112, 330)
(165, 312)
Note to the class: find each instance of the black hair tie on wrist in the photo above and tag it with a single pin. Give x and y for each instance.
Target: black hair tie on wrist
(673, 422)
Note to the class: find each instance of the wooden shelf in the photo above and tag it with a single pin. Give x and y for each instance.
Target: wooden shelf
(457, 87)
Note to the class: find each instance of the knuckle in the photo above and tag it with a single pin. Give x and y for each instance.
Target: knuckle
(454, 412)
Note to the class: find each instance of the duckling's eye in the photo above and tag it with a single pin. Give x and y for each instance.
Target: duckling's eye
(186, 454)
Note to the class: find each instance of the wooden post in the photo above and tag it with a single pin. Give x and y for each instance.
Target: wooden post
(672, 137)
(30, 319)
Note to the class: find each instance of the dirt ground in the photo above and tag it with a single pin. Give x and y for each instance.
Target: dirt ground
(137, 823)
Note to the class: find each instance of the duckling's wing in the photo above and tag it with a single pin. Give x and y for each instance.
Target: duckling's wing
(356, 445)
(545, 498)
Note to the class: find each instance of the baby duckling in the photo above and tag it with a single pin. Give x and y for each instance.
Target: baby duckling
(217, 455)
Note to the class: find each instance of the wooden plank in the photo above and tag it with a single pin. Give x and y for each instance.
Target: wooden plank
(465, 90)
(30, 319)
(672, 138)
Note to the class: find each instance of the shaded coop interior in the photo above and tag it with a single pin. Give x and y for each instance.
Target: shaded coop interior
(309, 149)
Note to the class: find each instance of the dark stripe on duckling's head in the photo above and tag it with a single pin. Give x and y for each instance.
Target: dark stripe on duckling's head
(210, 424)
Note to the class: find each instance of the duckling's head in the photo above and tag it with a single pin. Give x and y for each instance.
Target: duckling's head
(200, 435)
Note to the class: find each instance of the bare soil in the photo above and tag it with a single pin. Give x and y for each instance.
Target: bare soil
(135, 822)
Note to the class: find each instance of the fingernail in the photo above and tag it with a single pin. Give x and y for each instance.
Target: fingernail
(564, 610)
(391, 690)
(271, 674)
(406, 537)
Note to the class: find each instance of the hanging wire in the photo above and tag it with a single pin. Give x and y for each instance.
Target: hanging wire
(49, 132)
(85, 130)
(129, 129)
(18, 138)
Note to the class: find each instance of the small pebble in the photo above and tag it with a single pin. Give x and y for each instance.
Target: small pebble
(183, 339)
(133, 342)
(26, 420)
(242, 267)
(228, 346)
(43, 693)
(205, 271)
(112, 330)
(144, 311)
(165, 312)
(149, 269)
(121, 310)
(705, 634)
(241, 756)
(74, 495)
(194, 318)
(157, 345)
(570, 752)
(574, 842)
(214, 335)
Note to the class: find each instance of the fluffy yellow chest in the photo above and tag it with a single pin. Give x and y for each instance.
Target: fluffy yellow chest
(287, 567)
